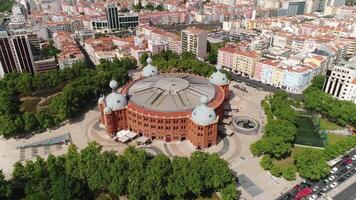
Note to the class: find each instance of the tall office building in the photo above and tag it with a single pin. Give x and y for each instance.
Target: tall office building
(112, 15)
(118, 21)
(15, 53)
(7, 58)
(341, 81)
(195, 40)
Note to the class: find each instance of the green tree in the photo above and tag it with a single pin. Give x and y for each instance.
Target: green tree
(229, 192)
(177, 182)
(276, 171)
(311, 164)
(30, 121)
(157, 174)
(119, 174)
(318, 81)
(281, 128)
(5, 187)
(289, 173)
(7, 126)
(143, 59)
(266, 162)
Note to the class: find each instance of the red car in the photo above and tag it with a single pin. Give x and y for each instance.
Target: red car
(303, 193)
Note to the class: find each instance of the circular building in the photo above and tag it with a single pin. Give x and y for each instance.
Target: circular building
(167, 106)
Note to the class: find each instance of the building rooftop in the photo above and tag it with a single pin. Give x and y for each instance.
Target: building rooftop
(171, 92)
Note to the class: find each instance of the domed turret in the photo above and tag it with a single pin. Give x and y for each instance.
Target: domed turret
(203, 115)
(149, 70)
(115, 100)
(113, 84)
(218, 78)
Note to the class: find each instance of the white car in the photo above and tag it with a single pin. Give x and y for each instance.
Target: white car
(348, 166)
(325, 188)
(313, 197)
(353, 157)
(315, 188)
(334, 184)
(332, 177)
(333, 170)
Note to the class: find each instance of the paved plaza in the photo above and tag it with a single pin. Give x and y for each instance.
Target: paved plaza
(234, 148)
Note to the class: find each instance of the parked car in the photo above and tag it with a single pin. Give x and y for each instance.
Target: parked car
(313, 197)
(353, 158)
(325, 188)
(332, 177)
(342, 179)
(348, 166)
(333, 170)
(334, 184)
(316, 188)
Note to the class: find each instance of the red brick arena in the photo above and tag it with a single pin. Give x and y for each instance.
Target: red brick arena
(167, 106)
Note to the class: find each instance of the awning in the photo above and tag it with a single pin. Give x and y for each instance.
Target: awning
(123, 139)
(143, 139)
(130, 134)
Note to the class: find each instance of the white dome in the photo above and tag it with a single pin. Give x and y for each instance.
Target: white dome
(149, 70)
(218, 78)
(113, 84)
(107, 110)
(116, 101)
(203, 115)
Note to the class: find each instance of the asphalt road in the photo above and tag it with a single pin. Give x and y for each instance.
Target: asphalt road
(347, 194)
(262, 86)
(342, 173)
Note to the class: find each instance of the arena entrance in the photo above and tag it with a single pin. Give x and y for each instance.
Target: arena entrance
(168, 138)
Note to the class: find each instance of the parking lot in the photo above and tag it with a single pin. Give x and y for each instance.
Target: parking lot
(221, 36)
(340, 172)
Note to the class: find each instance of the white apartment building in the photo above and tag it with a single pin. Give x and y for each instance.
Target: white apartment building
(195, 40)
(341, 81)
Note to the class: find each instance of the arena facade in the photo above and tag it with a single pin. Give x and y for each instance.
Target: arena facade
(167, 106)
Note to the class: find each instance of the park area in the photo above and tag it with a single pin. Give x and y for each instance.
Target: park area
(307, 133)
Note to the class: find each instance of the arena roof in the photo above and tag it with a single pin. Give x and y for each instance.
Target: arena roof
(170, 92)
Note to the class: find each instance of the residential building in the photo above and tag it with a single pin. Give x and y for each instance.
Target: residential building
(70, 52)
(194, 40)
(238, 59)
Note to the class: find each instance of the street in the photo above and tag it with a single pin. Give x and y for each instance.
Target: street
(344, 170)
(262, 86)
(348, 194)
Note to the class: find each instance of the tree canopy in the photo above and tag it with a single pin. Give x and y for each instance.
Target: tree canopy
(168, 61)
(79, 175)
(341, 112)
(311, 164)
(78, 87)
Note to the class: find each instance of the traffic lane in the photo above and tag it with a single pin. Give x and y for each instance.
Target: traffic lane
(321, 184)
(258, 84)
(347, 194)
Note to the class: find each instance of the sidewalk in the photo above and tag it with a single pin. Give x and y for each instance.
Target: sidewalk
(342, 186)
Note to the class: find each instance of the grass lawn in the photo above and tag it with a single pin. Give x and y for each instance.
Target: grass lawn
(289, 161)
(306, 134)
(328, 125)
(334, 138)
